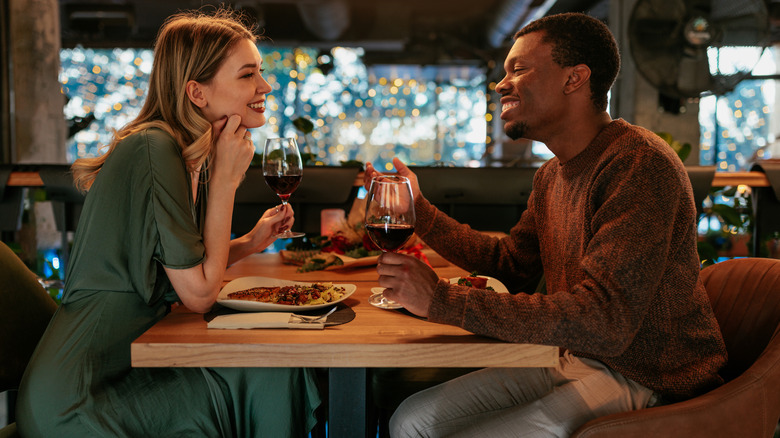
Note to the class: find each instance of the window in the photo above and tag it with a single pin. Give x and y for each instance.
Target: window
(424, 115)
(739, 127)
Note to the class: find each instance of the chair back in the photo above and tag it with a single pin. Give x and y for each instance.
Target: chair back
(745, 296)
(11, 201)
(487, 198)
(25, 311)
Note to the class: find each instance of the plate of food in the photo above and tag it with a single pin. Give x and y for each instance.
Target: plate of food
(480, 282)
(258, 294)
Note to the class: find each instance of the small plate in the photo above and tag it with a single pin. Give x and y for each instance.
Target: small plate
(256, 306)
(377, 299)
(492, 282)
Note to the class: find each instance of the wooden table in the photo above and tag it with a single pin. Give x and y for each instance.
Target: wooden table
(375, 338)
(721, 179)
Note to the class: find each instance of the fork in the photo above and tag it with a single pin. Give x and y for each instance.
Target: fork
(315, 318)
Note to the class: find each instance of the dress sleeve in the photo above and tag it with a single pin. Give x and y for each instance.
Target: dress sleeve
(180, 239)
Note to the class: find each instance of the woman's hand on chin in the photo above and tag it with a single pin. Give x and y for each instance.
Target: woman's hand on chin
(233, 150)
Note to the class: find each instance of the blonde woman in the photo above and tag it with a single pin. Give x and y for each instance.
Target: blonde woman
(155, 230)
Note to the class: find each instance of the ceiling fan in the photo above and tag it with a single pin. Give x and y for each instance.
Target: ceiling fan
(691, 48)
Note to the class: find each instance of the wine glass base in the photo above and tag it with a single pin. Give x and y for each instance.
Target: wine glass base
(379, 300)
(289, 235)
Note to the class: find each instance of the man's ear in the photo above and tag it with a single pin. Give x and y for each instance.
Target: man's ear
(195, 93)
(579, 75)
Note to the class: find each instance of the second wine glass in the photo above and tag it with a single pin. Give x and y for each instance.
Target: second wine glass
(389, 219)
(283, 171)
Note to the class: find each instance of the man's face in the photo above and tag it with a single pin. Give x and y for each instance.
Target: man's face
(532, 96)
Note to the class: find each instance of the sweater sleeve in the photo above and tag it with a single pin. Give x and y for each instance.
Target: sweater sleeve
(616, 230)
(600, 283)
(514, 260)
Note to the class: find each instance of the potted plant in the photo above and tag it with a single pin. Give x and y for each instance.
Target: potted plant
(728, 207)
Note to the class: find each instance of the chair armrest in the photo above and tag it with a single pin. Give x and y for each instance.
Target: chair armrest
(729, 410)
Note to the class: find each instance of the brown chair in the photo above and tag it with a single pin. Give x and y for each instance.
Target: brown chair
(745, 295)
(25, 311)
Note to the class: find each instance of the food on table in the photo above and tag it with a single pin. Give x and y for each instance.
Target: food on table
(475, 282)
(295, 295)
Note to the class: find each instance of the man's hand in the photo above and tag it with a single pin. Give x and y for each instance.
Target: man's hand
(401, 169)
(407, 281)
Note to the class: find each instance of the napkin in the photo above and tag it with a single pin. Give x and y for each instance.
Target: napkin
(262, 320)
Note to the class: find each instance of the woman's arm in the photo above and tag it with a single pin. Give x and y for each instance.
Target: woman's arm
(198, 286)
(274, 221)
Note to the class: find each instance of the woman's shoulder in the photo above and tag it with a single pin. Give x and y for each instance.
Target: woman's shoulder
(152, 136)
(152, 141)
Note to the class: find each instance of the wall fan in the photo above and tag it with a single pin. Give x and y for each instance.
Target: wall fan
(689, 48)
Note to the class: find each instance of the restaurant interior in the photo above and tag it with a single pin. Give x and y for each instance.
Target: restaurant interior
(369, 80)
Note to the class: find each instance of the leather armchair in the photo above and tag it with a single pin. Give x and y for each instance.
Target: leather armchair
(745, 295)
(25, 311)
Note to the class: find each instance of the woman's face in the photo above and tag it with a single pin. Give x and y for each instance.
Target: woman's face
(238, 87)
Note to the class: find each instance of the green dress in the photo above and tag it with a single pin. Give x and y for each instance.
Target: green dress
(139, 216)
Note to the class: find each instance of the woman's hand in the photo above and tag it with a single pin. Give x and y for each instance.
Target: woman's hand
(400, 168)
(272, 222)
(233, 150)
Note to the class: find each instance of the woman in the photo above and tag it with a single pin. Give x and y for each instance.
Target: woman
(146, 240)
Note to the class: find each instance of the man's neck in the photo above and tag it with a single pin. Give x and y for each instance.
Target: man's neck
(570, 142)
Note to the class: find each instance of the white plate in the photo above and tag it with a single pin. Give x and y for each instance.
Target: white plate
(492, 282)
(244, 283)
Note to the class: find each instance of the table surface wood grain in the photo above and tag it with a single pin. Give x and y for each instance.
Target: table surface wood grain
(375, 338)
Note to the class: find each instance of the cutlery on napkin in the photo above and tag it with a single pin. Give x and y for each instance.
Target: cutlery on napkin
(265, 320)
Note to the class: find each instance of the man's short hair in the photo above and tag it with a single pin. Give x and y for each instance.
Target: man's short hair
(580, 39)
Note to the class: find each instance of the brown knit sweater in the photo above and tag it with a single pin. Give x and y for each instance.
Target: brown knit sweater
(613, 230)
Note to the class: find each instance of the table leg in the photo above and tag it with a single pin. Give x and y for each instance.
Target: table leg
(347, 403)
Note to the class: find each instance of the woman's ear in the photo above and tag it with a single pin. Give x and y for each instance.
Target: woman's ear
(195, 93)
(579, 75)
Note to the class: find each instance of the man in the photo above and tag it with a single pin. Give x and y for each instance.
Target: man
(610, 222)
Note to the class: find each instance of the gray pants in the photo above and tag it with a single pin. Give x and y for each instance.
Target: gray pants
(520, 402)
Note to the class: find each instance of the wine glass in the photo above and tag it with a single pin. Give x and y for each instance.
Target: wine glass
(283, 171)
(389, 219)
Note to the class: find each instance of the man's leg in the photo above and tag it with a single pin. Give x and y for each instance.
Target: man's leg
(512, 402)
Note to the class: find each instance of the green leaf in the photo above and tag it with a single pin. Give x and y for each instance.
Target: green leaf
(352, 163)
(729, 214)
(683, 151)
(707, 253)
(304, 125)
(308, 158)
(276, 154)
(666, 137)
(729, 192)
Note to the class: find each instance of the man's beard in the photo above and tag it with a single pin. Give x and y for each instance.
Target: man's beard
(516, 130)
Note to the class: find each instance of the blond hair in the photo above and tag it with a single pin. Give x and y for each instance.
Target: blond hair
(190, 46)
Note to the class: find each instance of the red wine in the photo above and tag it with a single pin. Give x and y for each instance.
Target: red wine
(389, 237)
(283, 185)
